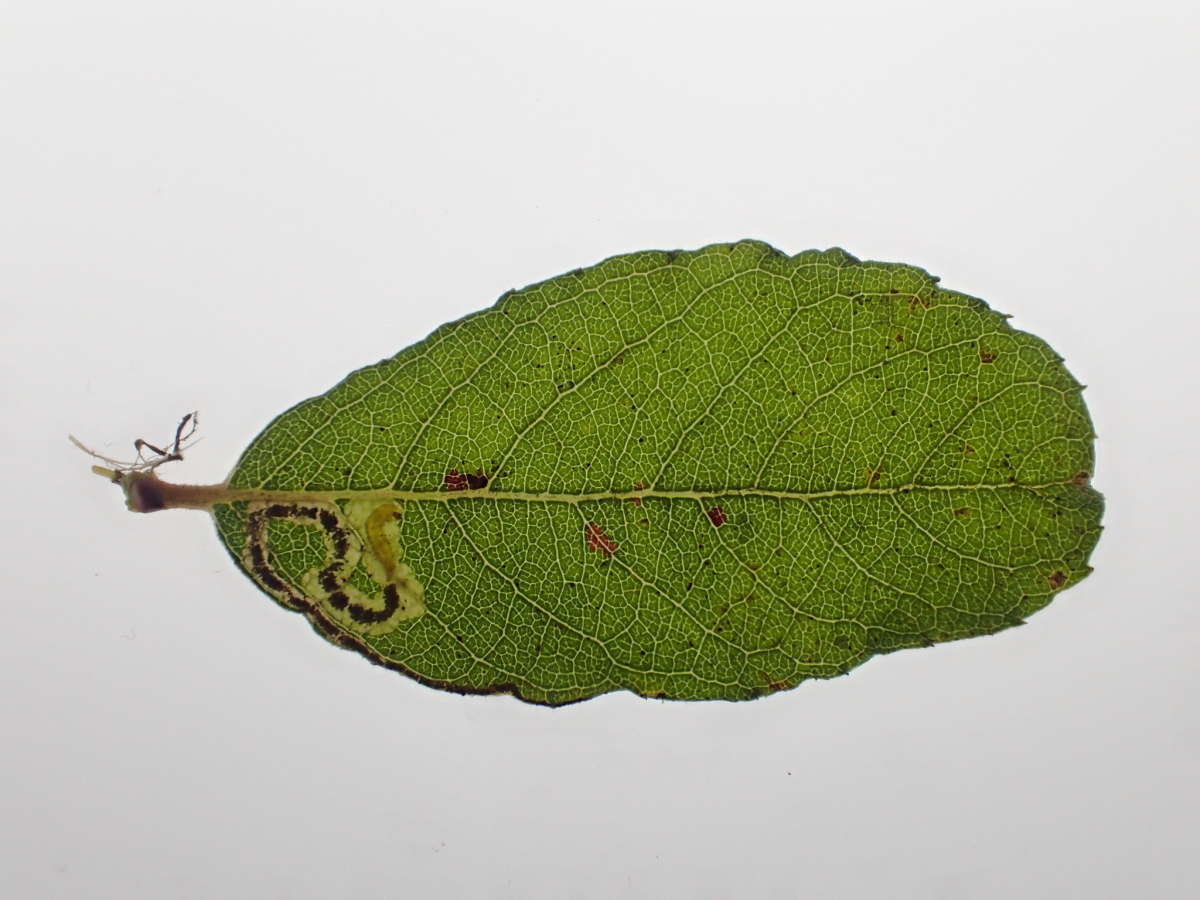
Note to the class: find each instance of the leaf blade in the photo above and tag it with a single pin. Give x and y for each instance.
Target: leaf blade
(855, 425)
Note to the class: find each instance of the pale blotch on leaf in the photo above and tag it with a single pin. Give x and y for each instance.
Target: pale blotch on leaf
(364, 535)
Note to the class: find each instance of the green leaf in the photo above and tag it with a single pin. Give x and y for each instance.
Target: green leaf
(690, 475)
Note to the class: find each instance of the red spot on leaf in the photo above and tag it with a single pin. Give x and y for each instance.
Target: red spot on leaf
(717, 516)
(598, 540)
(463, 481)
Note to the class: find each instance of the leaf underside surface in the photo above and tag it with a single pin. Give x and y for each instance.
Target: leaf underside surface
(690, 475)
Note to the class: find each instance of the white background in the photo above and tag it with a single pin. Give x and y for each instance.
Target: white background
(228, 206)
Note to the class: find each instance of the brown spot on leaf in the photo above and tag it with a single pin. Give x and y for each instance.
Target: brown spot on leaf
(987, 356)
(963, 512)
(640, 486)
(598, 540)
(717, 516)
(477, 480)
(968, 449)
(873, 475)
(899, 339)
(1057, 579)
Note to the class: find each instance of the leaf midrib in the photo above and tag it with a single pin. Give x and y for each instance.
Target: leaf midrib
(223, 494)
